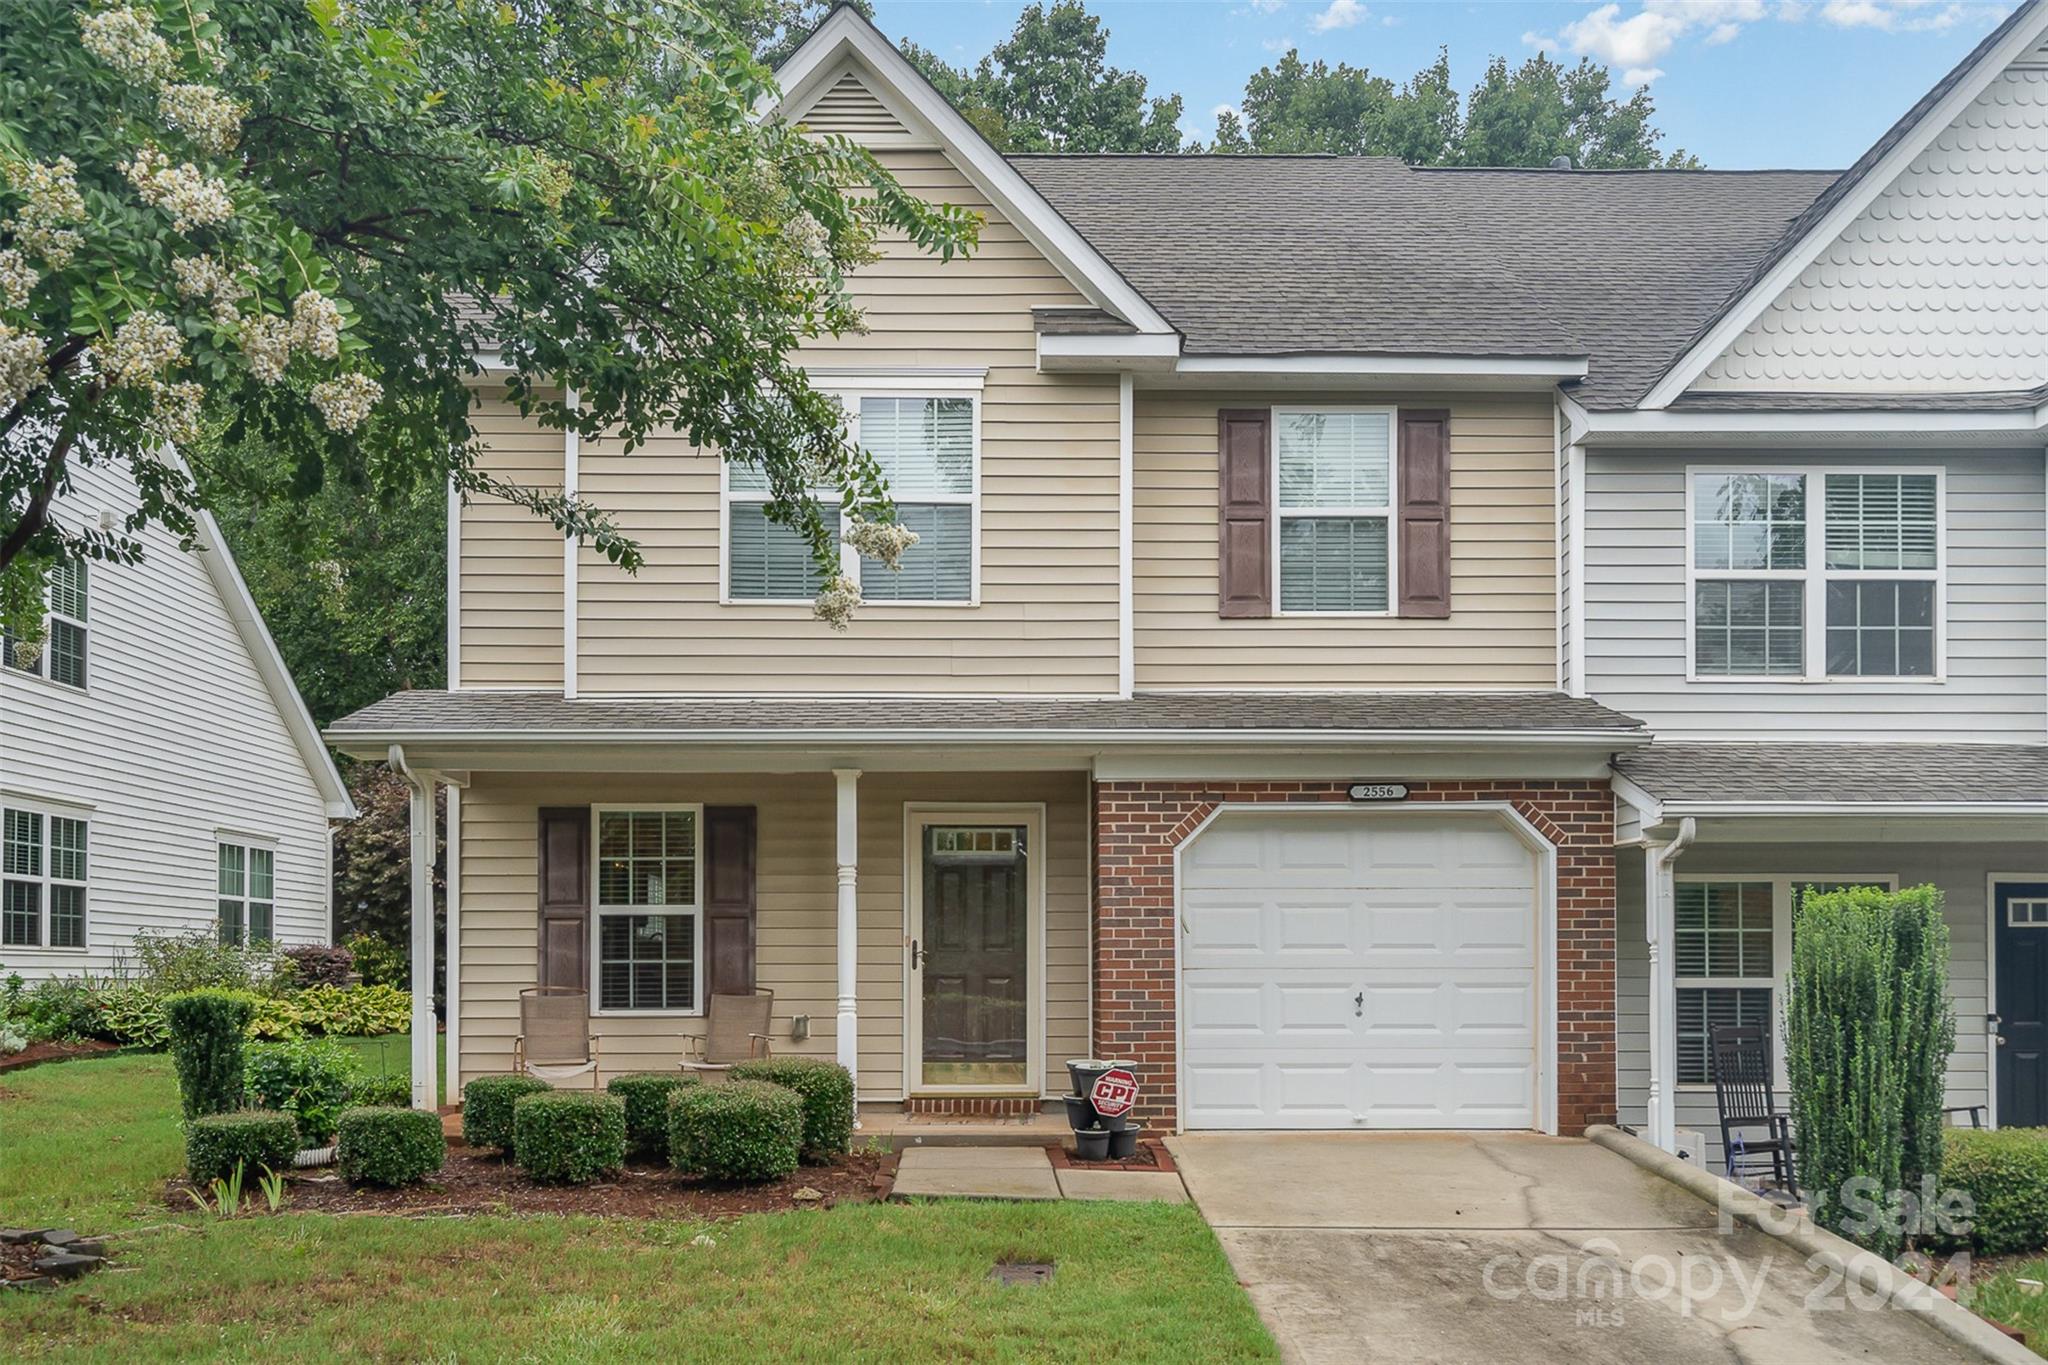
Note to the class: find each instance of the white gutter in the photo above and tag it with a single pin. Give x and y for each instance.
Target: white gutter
(1378, 739)
(1660, 930)
(1711, 809)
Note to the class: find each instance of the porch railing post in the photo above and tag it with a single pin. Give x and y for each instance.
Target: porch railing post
(848, 935)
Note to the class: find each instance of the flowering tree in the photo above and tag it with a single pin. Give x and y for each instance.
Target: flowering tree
(307, 220)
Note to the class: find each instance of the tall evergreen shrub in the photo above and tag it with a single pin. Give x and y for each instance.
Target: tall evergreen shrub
(209, 1031)
(1868, 1028)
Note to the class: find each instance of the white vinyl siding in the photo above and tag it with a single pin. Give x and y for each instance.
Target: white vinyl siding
(1334, 493)
(42, 879)
(1992, 607)
(649, 922)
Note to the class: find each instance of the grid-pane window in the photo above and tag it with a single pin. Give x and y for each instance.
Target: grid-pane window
(1743, 628)
(648, 920)
(939, 568)
(262, 893)
(1883, 564)
(43, 866)
(247, 892)
(1701, 1010)
(1744, 526)
(1335, 475)
(1724, 956)
(1749, 521)
(766, 561)
(61, 654)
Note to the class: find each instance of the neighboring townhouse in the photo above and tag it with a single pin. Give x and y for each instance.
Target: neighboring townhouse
(1251, 705)
(157, 768)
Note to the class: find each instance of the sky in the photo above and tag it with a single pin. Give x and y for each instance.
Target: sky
(1739, 83)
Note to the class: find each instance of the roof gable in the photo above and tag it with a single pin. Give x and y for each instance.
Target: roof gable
(849, 106)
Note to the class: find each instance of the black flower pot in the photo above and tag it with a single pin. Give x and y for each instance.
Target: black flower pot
(1116, 1124)
(1083, 1072)
(1092, 1144)
(1080, 1113)
(1123, 1142)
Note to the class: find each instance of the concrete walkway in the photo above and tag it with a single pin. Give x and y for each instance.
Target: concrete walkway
(1021, 1173)
(1513, 1247)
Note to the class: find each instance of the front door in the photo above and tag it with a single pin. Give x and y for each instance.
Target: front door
(973, 954)
(2019, 918)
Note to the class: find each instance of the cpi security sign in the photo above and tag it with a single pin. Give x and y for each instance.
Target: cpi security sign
(1113, 1093)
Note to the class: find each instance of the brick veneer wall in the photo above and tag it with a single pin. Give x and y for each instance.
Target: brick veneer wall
(1139, 824)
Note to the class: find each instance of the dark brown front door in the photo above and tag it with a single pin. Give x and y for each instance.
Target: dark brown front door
(973, 954)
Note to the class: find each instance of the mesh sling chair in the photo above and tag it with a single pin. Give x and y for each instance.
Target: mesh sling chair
(1742, 1092)
(736, 1030)
(555, 1041)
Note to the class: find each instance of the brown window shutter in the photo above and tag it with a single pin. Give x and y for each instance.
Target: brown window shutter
(729, 899)
(1244, 542)
(565, 897)
(1425, 545)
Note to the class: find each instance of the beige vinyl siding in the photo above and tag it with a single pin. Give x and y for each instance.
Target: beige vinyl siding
(1502, 630)
(1047, 617)
(510, 562)
(795, 897)
(849, 107)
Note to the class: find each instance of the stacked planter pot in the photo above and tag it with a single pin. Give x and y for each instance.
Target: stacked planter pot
(1097, 1136)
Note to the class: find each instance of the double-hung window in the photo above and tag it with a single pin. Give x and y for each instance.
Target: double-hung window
(1804, 575)
(649, 920)
(1334, 509)
(61, 657)
(42, 879)
(927, 447)
(247, 892)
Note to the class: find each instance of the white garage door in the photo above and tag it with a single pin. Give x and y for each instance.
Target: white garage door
(1359, 970)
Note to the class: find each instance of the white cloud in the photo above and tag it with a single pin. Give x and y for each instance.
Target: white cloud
(1340, 14)
(1267, 6)
(1640, 75)
(1277, 44)
(1899, 16)
(1220, 110)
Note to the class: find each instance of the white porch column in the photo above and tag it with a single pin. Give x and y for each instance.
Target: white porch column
(848, 935)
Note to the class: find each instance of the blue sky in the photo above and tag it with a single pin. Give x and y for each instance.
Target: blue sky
(1740, 83)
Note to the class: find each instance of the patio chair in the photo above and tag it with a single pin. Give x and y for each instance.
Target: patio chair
(555, 1041)
(1742, 1092)
(735, 1030)
(1974, 1112)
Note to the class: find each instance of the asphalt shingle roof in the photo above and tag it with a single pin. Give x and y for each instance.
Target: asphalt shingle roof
(511, 714)
(1280, 255)
(1843, 774)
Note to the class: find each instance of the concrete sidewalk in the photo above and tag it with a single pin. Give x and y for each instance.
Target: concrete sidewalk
(1022, 1173)
(1514, 1247)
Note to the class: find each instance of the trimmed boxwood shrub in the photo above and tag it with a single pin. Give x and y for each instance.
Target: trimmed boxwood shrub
(646, 1099)
(312, 1079)
(742, 1130)
(487, 1108)
(208, 1031)
(379, 1146)
(826, 1088)
(2005, 1173)
(250, 1138)
(569, 1137)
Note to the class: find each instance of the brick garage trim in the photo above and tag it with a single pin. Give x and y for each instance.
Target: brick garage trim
(1140, 826)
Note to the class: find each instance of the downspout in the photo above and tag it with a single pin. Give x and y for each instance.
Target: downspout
(1659, 928)
(424, 1077)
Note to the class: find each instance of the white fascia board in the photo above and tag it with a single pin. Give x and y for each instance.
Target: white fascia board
(1649, 810)
(1534, 371)
(1690, 366)
(270, 665)
(1677, 810)
(1144, 351)
(902, 88)
(1666, 427)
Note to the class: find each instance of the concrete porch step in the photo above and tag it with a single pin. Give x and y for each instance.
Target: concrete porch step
(901, 1132)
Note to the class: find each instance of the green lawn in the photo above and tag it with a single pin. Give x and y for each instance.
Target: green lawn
(2002, 1297)
(392, 1055)
(89, 1144)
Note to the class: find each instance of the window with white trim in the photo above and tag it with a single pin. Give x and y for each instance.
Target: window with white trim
(42, 879)
(2026, 914)
(61, 655)
(247, 893)
(649, 921)
(1731, 946)
(1813, 574)
(927, 445)
(1334, 509)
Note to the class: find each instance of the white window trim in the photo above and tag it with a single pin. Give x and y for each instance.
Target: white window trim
(41, 672)
(1393, 416)
(250, 845)
(1781, 884)
(53, 811)
(849, 391)
(598, 910)
(1815, 576)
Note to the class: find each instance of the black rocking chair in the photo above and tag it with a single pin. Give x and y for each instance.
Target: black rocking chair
(1742, 1091)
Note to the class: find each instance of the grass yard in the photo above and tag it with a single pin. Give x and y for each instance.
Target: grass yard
(90, 1143)
(2003, 1298)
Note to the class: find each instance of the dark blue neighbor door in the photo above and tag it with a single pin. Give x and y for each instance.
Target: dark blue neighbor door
(2020, 930)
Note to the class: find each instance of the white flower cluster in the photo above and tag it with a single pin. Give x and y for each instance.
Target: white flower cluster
(144, 346)
(837, 602)
(202, 113)
(21, 365)
(189, 195)
(17, 279)
(174, 411)
(204, 278)
(266, 346)
(51, 200)
(883, 540)
(345, 401)
(126, 39)
(316, 325)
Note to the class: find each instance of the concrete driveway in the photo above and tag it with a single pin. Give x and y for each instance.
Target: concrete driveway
(1512, 1247)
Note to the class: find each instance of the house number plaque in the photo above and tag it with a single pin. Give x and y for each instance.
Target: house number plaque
(1379, 791)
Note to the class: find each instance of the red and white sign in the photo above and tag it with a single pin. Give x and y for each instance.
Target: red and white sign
(1113, 1093)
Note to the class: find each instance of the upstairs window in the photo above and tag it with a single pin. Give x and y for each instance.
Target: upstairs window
(42, 880)
(1335, 509)
(248, 893)
(927, 448)
(61, 656)
(1809, 575)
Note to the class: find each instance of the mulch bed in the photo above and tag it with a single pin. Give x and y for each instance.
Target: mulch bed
(481, 1181)
(54, 1052)
(1152, 1156)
